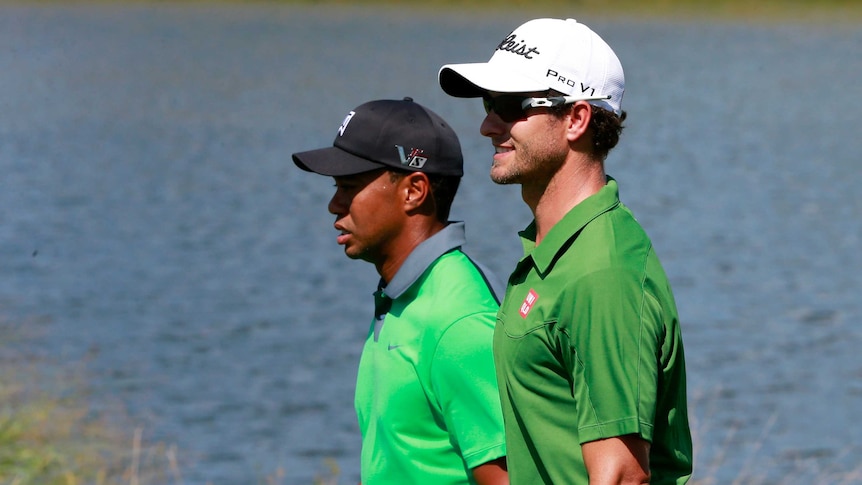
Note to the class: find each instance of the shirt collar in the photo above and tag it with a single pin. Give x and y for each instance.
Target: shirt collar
(452, 236)
(557, 239)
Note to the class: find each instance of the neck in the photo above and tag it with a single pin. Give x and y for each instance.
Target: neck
(552, 200)
(412, 237)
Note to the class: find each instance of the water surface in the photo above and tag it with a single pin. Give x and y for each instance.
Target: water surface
(152, 222)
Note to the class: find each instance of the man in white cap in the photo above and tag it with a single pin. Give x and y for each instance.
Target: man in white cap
(426, 394)
(587, 346)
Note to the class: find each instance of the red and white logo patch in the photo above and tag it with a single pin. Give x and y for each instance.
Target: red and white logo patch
(529, 301)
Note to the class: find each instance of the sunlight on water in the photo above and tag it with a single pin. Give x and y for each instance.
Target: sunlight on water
(150, 216)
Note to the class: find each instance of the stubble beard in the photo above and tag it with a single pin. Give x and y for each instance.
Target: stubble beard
(533, 166)
(504, 177)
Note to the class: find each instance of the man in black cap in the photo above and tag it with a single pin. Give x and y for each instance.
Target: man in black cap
(426, 392)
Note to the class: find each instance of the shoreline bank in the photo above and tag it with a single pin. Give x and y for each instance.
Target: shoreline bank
(768, 12)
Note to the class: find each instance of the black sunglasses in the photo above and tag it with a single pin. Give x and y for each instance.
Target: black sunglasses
(511, 107)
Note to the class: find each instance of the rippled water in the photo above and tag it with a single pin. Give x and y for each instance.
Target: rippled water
(151, 219)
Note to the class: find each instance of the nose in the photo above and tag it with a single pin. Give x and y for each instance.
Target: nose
(492, 125)
(337, 203)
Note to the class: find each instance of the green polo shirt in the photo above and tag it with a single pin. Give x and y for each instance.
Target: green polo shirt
(426, 392)
(588, 346)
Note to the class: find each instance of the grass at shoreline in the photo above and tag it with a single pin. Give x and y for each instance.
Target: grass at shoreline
(766, 12)
(51, 435)
(763, 11)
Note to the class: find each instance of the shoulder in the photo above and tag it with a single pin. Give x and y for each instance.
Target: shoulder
(451, 291)
(456, 274)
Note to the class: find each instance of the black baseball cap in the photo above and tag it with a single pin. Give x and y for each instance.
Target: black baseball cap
(399, 134)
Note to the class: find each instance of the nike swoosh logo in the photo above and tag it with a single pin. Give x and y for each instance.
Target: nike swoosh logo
(392, 347)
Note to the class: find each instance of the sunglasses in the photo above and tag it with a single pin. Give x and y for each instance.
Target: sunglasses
(511, 107)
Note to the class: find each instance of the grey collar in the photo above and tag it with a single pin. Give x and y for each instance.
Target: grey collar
(452, 236)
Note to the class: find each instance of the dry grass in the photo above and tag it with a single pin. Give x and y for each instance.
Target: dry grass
(51, 435)
(722, 446)
(763, 11)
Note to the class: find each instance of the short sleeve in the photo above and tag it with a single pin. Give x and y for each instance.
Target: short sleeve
(610, 344)
(465, 385)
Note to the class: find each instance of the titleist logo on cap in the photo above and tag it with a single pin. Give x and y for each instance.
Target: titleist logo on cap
(518, 47)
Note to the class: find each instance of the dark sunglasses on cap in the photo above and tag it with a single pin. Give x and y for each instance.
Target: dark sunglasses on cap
(511, 107)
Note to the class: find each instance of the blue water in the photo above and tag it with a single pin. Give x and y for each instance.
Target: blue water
(153, 227)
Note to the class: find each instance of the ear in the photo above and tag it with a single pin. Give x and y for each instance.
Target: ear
(416, 191)
(578, 120)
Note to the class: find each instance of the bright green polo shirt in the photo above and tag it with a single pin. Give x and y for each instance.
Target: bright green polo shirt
(588, 346)
(426, 393)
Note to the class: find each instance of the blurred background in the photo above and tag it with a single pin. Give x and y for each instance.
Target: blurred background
(156, 237)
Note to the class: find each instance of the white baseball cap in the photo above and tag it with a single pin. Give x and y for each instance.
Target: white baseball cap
(563, 55)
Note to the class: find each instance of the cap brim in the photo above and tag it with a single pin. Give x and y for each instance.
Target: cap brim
(475, 79)
(333, 162)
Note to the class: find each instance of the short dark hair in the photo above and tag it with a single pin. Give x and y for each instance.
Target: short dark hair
(605, 125)
(607, 128)
(443, 190)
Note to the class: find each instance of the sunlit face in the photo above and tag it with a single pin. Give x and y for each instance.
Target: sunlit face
(369, 214)
(529, 149)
